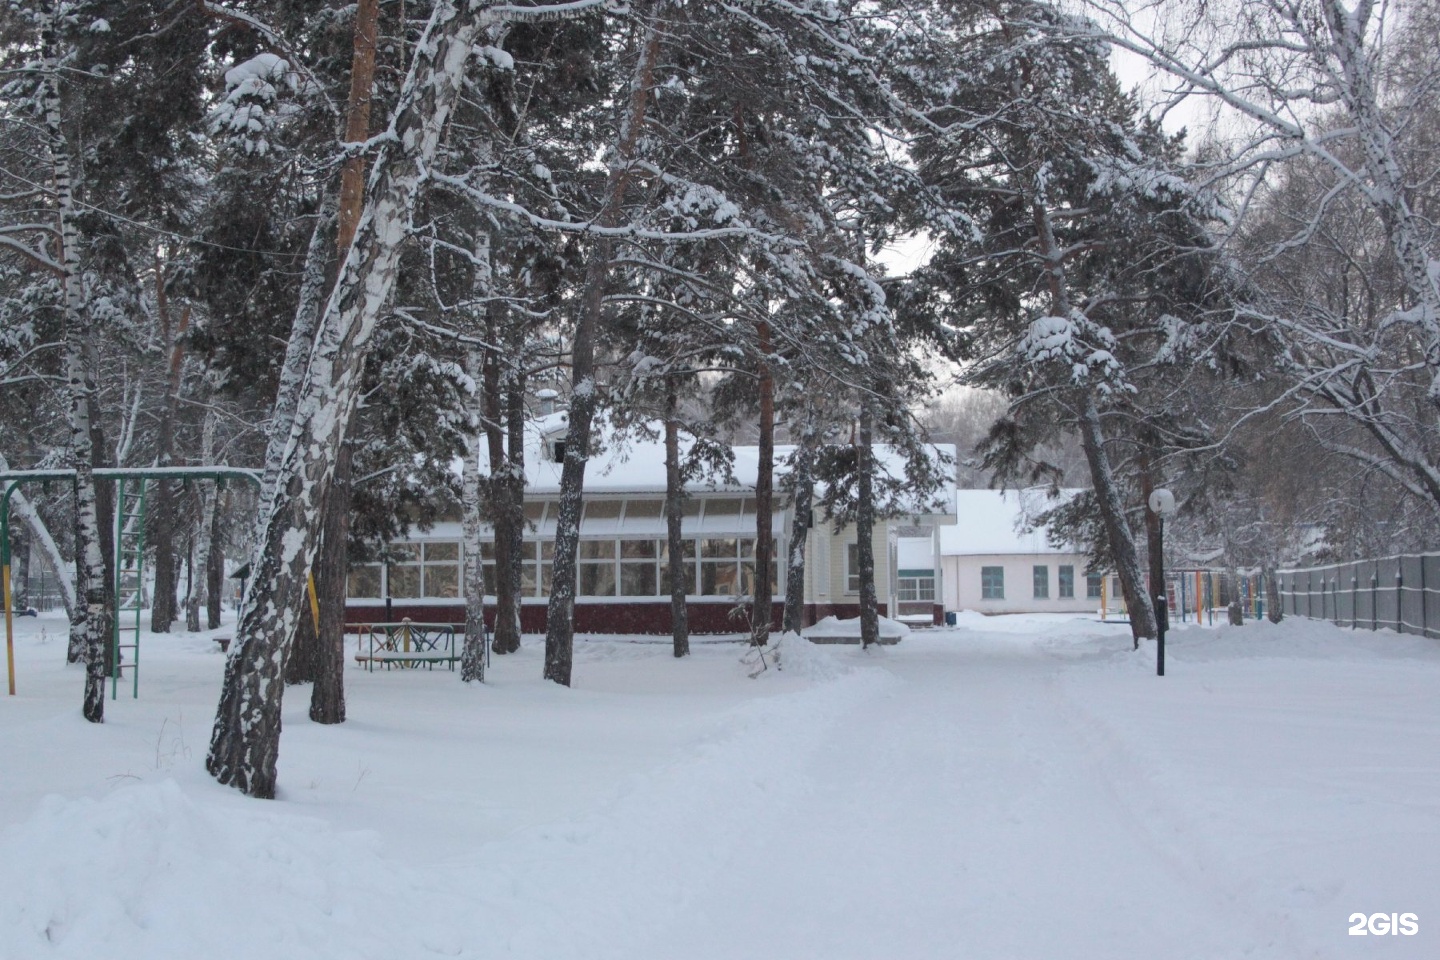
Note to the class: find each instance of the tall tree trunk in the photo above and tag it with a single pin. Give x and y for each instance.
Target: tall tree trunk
(764, 497)
(675, 560)
(327, 696)
(308, 658)
(357, 121)
(498, 488)
(472, 660)
(1112, 515)
(105, 521)
(803, 477)
(164, 609)
(1273, 611)
(300, 660)
(507, 501)
(215, 570)
(210, 498)
(865, 530)
(90, 630)
(1092, 440)
(560, 613)
(514, 502)
(245, 742)
(314, 283)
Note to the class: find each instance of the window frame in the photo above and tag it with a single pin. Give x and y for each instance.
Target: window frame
(1065, 573)
(992, 583)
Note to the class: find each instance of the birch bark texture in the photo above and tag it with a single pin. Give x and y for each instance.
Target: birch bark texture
(472, 658)
(244, 744)
(90, 624)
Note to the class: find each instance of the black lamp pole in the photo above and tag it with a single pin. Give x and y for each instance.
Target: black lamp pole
(1161, 502)
(1161, 616)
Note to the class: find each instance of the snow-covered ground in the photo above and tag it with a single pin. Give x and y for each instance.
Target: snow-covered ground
(1019, 787)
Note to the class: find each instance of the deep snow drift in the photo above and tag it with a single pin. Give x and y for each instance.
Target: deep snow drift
(1014, 788)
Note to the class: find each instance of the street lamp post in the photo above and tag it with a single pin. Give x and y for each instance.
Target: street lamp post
(1162, 503)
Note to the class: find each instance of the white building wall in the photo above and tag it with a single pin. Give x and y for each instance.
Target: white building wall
(962, 583)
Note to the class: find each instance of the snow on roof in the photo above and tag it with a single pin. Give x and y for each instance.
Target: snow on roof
(635, 463)
(1000, 522)
(915, 553)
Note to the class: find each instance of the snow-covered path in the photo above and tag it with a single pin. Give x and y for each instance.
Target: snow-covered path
(965, 811)
(1015, 788)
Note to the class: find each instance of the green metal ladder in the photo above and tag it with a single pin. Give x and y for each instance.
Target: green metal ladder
(129, 581)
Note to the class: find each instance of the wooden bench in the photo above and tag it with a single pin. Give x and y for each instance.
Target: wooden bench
(407, 645)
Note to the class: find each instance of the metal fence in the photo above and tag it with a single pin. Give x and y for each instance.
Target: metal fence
(1398, 593)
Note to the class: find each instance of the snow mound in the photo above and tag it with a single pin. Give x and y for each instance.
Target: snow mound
(833, 628)
(147, 866)
(798, 657)
(1295, 637)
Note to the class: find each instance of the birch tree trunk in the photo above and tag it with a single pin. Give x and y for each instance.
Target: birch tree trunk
(245, 742)
(560, 613)
(675, 559)
(313, 287)
(472, 658)
(90, 626)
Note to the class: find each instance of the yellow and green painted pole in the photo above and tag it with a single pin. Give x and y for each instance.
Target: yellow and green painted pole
(9, 622)
(5, 575)
(314, 602)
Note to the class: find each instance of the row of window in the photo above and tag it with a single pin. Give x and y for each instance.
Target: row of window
(542, 511)
(992, 583)
(716, 566)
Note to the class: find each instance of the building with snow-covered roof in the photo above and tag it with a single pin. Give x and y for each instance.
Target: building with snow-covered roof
(623, 565)
(997, 559)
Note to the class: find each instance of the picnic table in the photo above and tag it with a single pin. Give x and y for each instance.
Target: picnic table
(407, 645)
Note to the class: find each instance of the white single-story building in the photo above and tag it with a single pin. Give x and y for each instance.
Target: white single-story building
(623, 579)
(996, 559)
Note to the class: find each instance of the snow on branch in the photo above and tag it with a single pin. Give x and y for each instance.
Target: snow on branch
(540, 13)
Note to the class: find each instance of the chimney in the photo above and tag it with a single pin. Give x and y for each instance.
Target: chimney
(547, 401)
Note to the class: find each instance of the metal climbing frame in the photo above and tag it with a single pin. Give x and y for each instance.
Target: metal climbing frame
(129, 582)
(125, 478)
